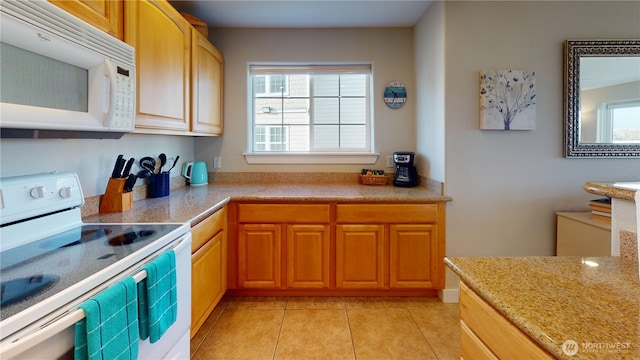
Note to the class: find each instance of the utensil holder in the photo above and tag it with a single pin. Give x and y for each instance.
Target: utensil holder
(114, 198)
(159, 185)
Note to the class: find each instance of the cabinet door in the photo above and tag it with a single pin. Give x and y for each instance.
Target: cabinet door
(207, 280)
(308, 256)
(359, 256)
(162, 38)
(259, 256)
(411, 255)
(206, 79)
(106, 15)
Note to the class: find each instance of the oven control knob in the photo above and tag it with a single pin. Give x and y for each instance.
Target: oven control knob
(37, 192)
(65, 192)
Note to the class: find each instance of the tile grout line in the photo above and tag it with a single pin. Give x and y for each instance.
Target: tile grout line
(422, 333)
(284, 311)
(353, 345)
(204, 338)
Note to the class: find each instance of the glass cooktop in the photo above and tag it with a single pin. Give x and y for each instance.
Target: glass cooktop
(38, 270)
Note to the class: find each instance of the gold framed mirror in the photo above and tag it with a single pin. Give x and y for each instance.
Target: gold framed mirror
(602, 98)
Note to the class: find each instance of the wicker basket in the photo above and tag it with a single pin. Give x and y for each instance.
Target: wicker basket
(198, 24)
(373, 179)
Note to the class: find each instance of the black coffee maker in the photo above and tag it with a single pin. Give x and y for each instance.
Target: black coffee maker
(406, 174)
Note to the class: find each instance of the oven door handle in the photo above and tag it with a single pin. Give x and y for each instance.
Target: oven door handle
(58, 325)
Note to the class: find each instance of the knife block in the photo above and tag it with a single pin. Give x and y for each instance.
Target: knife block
(114, 198)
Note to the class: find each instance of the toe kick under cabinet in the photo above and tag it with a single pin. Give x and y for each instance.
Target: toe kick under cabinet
(335, 249)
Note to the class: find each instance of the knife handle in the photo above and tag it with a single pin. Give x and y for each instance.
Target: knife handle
(127, 168)
(117, 168)
(131, 181)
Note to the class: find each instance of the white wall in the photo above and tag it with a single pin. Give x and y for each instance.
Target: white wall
(92, 160)
(390, 51)
(507, 186)
(429, 43)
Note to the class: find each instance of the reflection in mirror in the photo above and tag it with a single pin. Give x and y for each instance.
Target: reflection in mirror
(602, 98)
(610, 100)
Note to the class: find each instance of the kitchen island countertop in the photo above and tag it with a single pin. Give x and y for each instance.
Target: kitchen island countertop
(194, 203)
(592, 301)
(620, 190)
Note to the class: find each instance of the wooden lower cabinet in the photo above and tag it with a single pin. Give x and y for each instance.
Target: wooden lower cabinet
(259, 256)
(308, 256)
(473, 347)
(487, 334)
(208, 267)
(413, 255)
(394, 246)
(333, 248)
(360, 256)
(260, 249)
(207, 290)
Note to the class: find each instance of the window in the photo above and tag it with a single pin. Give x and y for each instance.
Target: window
(270, 138)
(266, 85)
(310, 109)
(619, 122)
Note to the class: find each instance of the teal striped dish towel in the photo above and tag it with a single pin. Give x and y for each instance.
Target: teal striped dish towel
(158, 297)
(110, 327)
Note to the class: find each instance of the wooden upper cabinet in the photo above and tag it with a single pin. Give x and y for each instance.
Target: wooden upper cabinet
(106, 15)
(162, 39)
(207, 80)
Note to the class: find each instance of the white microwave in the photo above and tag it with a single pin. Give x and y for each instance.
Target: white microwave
(60, 75)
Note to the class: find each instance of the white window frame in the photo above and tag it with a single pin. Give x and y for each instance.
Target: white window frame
(269, 132)
(267, 86)
(605, 118)
(350, 156)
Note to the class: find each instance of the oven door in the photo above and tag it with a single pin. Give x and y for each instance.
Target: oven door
(53, 338)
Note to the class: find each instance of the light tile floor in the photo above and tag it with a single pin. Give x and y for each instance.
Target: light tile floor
(302, 328)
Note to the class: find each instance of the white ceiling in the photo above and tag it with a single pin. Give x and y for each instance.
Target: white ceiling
(305, 13)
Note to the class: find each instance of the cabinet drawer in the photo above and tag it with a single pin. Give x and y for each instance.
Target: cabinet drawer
(283, 213)
(386, 213)
(471, 347)
(503, 338)
(206, 229)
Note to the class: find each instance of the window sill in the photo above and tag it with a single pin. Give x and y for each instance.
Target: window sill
(311, 158)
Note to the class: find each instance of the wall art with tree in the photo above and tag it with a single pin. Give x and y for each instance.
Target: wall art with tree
(507, 100)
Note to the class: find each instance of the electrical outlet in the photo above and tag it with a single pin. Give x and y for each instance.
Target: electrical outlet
(390, 161)
(217, 162)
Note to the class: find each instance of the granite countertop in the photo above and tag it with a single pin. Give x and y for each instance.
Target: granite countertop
(619, 190)
(555, 299)
(194, 203)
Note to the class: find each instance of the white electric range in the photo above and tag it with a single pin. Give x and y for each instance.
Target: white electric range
(51, 262)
